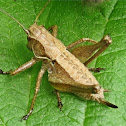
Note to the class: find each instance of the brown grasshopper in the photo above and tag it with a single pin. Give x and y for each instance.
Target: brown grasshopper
(67, 70)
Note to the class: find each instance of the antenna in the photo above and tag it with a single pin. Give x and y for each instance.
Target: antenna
(41, 11)
(27, 32)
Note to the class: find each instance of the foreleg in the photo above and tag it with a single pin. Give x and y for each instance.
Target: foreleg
(21, 68)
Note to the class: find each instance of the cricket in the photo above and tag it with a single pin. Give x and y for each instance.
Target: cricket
(66, 65)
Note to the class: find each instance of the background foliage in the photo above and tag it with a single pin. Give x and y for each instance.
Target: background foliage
(75, 20)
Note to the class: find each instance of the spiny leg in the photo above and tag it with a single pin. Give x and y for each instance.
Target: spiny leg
(105, 42)
(85, 53)
(21, 68)
(41, 72)
(60, 105)
(53, 29)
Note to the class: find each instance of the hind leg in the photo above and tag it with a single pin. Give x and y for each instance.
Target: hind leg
(88, 53)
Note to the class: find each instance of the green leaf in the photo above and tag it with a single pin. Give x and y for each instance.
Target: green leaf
(75, 20)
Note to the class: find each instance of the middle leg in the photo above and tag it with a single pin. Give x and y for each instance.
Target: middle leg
(41, 72)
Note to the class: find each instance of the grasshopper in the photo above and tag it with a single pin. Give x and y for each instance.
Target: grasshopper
(66, 65)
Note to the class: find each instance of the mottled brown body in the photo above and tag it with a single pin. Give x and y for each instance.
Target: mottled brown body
(67, 73)
(46, 45)
(66, 70)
